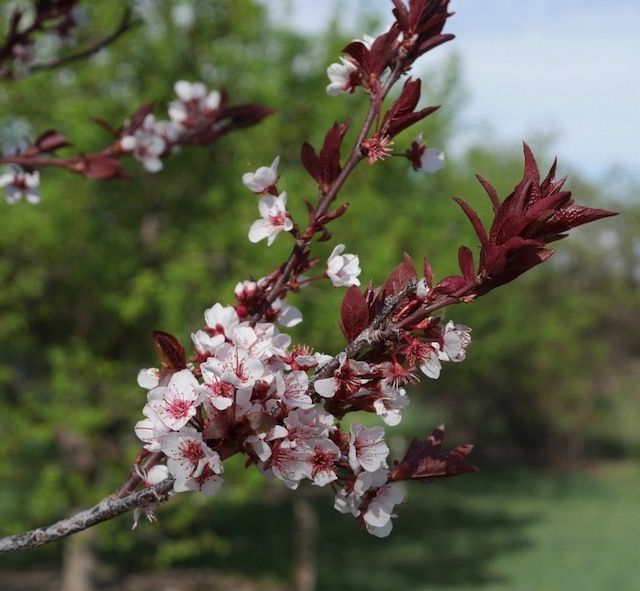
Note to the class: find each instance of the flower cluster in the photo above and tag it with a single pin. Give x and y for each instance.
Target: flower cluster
(198, 117)
(250, 392)
(195, 110)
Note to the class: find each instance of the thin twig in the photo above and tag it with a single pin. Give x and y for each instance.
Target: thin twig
(125, 25)
(106, 509)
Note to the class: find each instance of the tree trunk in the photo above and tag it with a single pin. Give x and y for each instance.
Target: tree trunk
(306, 525)
(79, 562)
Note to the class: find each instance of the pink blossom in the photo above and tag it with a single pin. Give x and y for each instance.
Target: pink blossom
(323, 461)
(146, 145)
(341, 77)
(430, 364)
(154, 475)
(234, 366)
(377, 517)
(176, 403)
(194, 103)
(191, 458)
(343, 269)
(423, 158)
(205, 344)
(367, 448)
(207, 481)
(390, 403)
(264, 179)
(349, 498)
(305, 427)
(292, 389)
(455, 340)
(348, 379)
(256, 341)
(289, 464)
(275, 219)
(19, 184)
(151, 429)
(221, 319)
(219, 395)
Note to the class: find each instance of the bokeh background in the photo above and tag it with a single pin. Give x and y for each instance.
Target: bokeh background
(549, 391)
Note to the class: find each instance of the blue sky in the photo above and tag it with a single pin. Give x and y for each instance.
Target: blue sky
(568, 69)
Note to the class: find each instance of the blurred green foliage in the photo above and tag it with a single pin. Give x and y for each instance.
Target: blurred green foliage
(88, 274)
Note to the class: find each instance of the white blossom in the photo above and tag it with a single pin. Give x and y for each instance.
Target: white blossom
(340, 77)
(343, 269)
(275, 219)
(262, 179)
(19, 184)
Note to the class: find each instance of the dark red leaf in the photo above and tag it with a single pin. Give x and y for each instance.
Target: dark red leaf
(136, 120)
(424, 460)
(451, 284)
(170, 351)
(260, 422)
(400, 276)
(465, 260)
(106, 125)
(311, 161)
(354, 314)
(428, 273)
(50, 141)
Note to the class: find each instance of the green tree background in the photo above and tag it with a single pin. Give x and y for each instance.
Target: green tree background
(549, 383)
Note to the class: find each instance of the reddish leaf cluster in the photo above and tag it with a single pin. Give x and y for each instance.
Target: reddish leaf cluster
(325, 167)
(421, 26)
(533, 215)
(402, 113)
(416, 30)
(424, 460)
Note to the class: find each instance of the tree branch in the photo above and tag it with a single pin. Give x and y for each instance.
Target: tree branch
(106, 509)
(126, 23)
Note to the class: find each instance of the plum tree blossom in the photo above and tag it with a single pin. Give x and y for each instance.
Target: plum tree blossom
(367, 448)
(248, 388)
(19, 183)
(146, 145)
(379, 512)
(341, 77)
(275, 219)
(191, 462)
(194, 104)
(425, 159)
(343, 269)
(175, 404)
(264, 179)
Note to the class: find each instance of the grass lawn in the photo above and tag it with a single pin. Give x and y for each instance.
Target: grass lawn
(508, 532)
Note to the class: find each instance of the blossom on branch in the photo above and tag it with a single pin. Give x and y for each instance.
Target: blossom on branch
(275, 219)
(194, 104)
(343, 77)
(19, 184)
(425, 159)
(343, 269)
(264, 179)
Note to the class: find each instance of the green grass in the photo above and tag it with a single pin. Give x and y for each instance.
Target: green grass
(513, 531)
